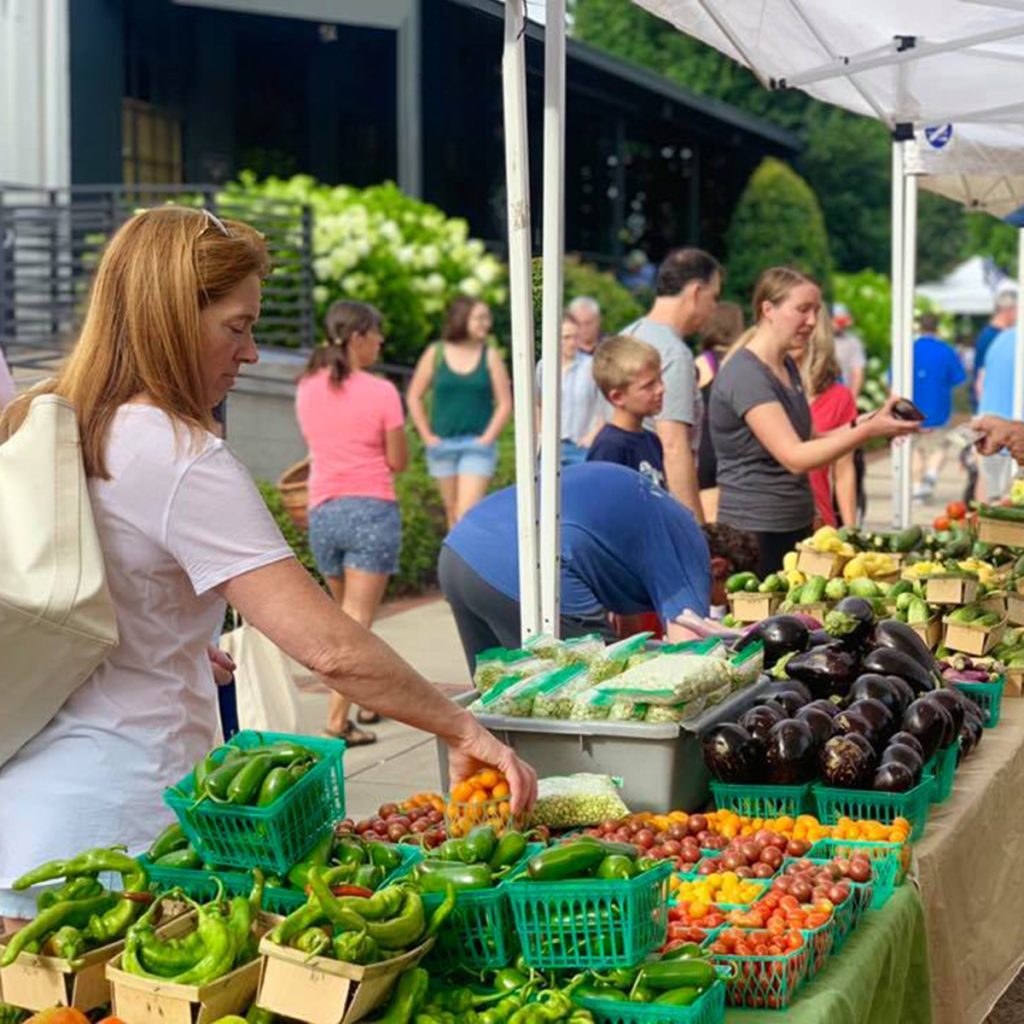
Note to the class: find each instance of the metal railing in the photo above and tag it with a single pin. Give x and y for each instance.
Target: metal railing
(51, 239)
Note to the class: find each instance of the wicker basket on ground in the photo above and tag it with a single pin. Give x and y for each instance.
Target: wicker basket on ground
(294, 487)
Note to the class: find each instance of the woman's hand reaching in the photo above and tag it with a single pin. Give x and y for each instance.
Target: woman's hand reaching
(482, 750)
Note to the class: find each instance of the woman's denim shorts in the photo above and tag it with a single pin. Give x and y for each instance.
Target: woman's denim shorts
(355, 533)
(462, 456)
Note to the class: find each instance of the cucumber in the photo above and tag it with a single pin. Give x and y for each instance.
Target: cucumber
(738, 582)
(900, 587)
(906, 540)
(918, 611)
(987, 620)
(864, 587)
(836, 590)
(968, 613)
(813, 591)
(904, 601)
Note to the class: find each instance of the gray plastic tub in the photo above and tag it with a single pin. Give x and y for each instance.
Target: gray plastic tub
(660, 764)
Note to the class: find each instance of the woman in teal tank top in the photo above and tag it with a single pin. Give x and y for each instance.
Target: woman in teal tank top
(472, 401)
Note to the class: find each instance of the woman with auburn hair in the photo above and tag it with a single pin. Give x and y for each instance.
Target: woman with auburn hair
(832, 406)
(169, 327)
(472, 401)
(763, 432)
(355, 430)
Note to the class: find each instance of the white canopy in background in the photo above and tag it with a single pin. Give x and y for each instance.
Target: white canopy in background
(969, 288)
(908, 63)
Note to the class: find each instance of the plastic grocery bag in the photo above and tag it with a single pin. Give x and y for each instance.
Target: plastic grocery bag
(580, 650)
(670, 679)
(514, 696)
(497, 663)
(569, 801)
(555, 698)
(747, 665)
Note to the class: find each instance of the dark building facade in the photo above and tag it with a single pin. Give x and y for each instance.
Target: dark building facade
(188, 91)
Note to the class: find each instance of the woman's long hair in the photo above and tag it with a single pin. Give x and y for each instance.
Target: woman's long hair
(773, 285)
(820, 369)
(456, 321)
(343, 320)
(722, 328)
(141, 334)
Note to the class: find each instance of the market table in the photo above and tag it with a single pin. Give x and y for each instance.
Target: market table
(880, 977)
(970, 880)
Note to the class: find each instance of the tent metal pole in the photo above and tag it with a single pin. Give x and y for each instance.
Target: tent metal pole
(551, 326)
(909, 282)
(1018, 360)
(517, 175)
(899, 453)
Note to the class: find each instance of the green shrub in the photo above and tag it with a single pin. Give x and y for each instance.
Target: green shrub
(777, 221)
(381, 246)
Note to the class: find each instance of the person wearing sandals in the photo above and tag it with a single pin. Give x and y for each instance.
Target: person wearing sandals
(472, 402)
(355, 429)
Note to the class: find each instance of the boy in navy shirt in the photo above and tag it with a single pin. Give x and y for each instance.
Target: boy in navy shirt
(628, 372)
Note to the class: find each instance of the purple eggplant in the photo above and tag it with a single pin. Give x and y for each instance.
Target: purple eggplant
(893, 777)
(928, 723)
(853, 721)
(758, 720)
(906, 755)
(892, 661)
(953, 702)
(883, 688)
(790, 753)
(781, 635)
(904, 409)
(819, 721)
(732, 754)
(851, 621)
(824, 670)
(908, 740)
(898, 636)
(848, 761)
(877, 714)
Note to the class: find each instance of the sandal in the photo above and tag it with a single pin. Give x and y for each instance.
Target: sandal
(352, 735)
(367, 717)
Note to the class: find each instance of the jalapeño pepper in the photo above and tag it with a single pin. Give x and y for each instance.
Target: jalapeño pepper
(277, 782)
(186, 858)
(664, 975)
(569, 860)
(245, 785)
(436, 875)
(218, 781)
(480, 844)
(172, 838)
(510, 848)
(384, 855)
(615, 866)
(368, 876)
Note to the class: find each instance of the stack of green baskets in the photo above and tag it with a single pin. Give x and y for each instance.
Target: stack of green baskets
(988, 697)
(868, 804)
(272, 838)
(591, 922)
(480, 934)
(889, 861)
(761, 801)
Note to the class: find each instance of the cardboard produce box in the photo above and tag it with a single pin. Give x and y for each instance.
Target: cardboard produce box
(754, 607)
(155, 1001)
(1014, 683)
(950, 588)
(996, 601)
(321, 990)
(1015, 609)
(36, 982)
(1000, 531)
(930, 632)
(971, 639)
(820, 563)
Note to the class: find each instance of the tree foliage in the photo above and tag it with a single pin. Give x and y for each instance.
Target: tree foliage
(845, 158)
(776, 221)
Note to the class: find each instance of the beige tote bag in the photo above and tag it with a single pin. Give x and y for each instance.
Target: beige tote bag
(57, 621)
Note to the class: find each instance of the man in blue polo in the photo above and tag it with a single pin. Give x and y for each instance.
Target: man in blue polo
(937, 371)
(627, 547)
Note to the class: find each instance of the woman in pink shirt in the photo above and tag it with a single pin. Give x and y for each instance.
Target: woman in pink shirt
(355, 429)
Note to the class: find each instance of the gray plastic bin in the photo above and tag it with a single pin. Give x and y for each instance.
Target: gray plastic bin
(660, 764)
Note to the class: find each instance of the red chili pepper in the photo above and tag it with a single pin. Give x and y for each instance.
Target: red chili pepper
(139, 897)
(347, 890)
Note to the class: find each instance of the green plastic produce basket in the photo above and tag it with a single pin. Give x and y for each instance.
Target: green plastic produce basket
(765, 982)
(821, 940)
(889, 861)
(761, 801)
(590, 922)
(272, 838)
(846, 915)
(201, 885)
(480, 934)
(708, 1009)
(988, 697)
(834, 804)
(943, 766)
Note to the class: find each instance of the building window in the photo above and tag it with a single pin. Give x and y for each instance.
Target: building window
(151, 144)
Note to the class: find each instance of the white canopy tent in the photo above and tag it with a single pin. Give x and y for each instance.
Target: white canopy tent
(969, 288)
(913, 63)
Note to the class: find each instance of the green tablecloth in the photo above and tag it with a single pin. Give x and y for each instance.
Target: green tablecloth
(880, 977)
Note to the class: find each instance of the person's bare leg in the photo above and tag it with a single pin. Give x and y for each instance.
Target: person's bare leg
(709, 502)
(363, 594)
(448, 486)
(337, 708)
(471, 489)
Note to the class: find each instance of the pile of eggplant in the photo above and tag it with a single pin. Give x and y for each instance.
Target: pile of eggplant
(856, 704)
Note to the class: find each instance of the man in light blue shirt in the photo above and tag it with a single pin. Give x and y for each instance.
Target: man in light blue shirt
(996, 399)
(582, 412)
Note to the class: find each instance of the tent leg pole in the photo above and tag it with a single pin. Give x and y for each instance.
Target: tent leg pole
(551, 327)
(517, 175)
(909, 282)
(899, 454)
(1018, 361)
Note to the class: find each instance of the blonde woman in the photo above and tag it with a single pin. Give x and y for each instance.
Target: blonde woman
(472, 402)
(168, 329)
(832, 407)
(761, 421)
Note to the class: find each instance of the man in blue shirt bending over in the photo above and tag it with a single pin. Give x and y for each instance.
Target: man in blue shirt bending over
(937, 371)
(627, 547)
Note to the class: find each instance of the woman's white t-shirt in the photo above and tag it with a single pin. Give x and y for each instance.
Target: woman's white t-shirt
(175, 520)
